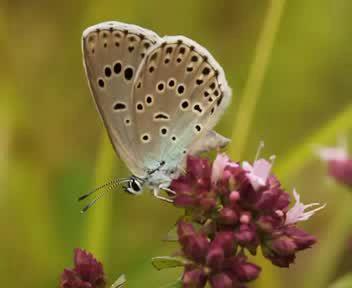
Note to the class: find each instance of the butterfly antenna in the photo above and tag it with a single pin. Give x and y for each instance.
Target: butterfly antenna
(112, 186)
(85, 208)
(110, 183)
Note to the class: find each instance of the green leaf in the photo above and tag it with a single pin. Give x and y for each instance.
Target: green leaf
(177, 284)
(172, 235)
(165, 262)
(252, 89)
(119, 282)
(343, 282)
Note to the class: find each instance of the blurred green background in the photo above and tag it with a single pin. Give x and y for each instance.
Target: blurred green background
(52, 145)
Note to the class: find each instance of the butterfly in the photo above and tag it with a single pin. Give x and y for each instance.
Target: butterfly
(158, 97)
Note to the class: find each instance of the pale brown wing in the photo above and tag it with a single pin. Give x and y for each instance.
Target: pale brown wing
(112, 53)
(179, 94)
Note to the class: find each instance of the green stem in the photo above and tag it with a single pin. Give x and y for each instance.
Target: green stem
(332, 245)
(255, 78)
(99, 216)
(247, 106)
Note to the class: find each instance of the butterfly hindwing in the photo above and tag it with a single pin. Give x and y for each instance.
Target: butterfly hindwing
(112, 53)
(179, 93)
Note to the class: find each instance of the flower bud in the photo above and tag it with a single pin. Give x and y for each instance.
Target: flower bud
(196, 247)
(247, 271)
(184, 229)
(301, 239)
(194, 278)
(234, 197)
(215, 258)
(225, 240)
(88, 272)
(341, 170)
(207, 203)
(243, 270)
(245, 218)
(246, 234)
(228, 216)
(284, 246)
(221, 280)
(268, 223)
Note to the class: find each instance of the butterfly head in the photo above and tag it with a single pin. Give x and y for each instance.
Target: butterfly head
(134, 185)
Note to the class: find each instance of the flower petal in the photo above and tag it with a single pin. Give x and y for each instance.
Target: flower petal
(258, 174)
(297, 212)
(332, 153)
(220, 163)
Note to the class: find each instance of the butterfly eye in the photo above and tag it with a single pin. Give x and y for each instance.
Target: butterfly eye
(135, 186)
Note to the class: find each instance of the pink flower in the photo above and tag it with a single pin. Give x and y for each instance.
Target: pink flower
(339, 163)
(214, 260)
(220, 163)
(87, 272)
(193, 190)
(258, 174)
(333, 153)
(249, 210)
(297, 212)
(281, 249)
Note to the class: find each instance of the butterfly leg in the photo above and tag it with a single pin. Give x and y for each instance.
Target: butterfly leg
(168, 190)
(156, 192)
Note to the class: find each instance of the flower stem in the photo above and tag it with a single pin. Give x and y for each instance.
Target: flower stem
(255, 78)
(332, 245)
(248, 103)
(99, 215)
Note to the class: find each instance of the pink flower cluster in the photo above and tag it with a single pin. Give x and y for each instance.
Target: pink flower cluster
(87, 272)
(236, 208)
(215, 261)
(339, 163)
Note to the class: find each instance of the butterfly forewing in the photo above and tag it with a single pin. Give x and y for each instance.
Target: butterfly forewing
(178, 95)
(113, 51)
